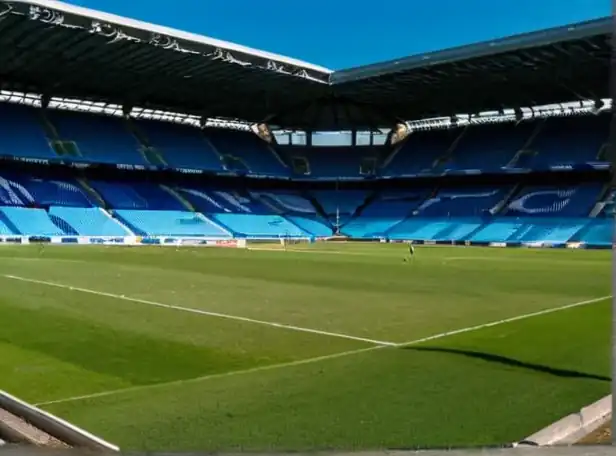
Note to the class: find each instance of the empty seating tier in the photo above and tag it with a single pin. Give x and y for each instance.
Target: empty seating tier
(169, 223)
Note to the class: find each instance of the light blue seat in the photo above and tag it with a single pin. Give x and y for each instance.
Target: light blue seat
(312, 225)
(5, 230)
(169, 223)
(563, 232)
(498, 230)
(259, 225)
(458, 230)
(598, 232)
(369, 227)
(31, 222)
(418, 229)
(88, 221)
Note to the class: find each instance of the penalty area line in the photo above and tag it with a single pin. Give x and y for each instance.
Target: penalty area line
(202, 312)
(325, 357)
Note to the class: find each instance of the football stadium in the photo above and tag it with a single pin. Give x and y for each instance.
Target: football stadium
(208, 247)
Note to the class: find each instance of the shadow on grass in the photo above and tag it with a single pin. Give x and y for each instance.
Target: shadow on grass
(566, 373)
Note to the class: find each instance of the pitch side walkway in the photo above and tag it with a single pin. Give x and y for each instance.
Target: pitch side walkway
(606, 450)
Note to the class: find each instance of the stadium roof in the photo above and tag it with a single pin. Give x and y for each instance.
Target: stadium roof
(62, 50)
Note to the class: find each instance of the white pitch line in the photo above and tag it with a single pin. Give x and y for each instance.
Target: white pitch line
(202, 312)
(325, 357)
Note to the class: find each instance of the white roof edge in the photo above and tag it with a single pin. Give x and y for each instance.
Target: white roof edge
(133, 23)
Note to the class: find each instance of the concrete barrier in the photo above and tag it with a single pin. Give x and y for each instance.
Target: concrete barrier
(573, 427)
(54, 426)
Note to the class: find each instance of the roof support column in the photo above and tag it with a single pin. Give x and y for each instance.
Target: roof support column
(45, 99)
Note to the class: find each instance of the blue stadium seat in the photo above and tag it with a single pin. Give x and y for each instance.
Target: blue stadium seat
(459, 229)
(32, 222)
(420, 151)
(547, 230)
(140, 195)
(369, 227)
(530, 229)
(287, 202)
(332, 162)
(91, 221)
(5, 230)
(340, 206)
(252, 150)
(182, 146)
(101, 139)
(56, 192)
(346, 201)
(452, 202)
(570, 140)
(218, 201)
(311, 225)
(21, 133)
(386, 211)
(298, 209)
(13, 193)
(249, 225)
(597, 232)
(498, 230)
(489, 147)
(169, 223)
(419, 229)
(567, 201)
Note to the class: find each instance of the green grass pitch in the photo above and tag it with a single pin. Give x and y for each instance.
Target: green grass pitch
(178, 349)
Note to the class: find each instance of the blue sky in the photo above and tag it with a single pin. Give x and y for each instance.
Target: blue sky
(345, 33)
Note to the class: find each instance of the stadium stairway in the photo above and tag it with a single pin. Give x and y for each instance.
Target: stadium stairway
(604, 196)
(298, 210)
(596, 232)
(440, 164)
(169, 223)
(63, 225)
(360, 209)
(319, 208)
(150, 154)
(459, 229)
(83, 182)
(259, 226)
(280, 159)
(7, 227)
(48, 128)
(310, 226)
(175, 194)
(524, 156)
